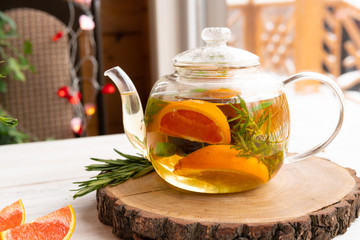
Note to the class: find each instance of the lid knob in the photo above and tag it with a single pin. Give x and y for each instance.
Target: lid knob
(216, 36)
(216, 55)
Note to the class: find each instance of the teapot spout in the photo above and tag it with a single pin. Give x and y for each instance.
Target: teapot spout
(133, 115)
(120, 79)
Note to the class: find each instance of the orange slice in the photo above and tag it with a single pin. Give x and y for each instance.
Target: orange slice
(221, 93)
(195, 120)
(58, 225)
(12, 216)
(216, 163)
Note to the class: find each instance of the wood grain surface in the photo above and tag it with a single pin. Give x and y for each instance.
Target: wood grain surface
(311, 199)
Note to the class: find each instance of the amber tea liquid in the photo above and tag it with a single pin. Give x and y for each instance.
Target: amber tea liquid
(216, 145)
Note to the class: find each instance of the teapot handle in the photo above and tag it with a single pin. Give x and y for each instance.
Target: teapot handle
(340, 97)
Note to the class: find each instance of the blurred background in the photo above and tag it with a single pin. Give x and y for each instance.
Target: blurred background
(54, 52)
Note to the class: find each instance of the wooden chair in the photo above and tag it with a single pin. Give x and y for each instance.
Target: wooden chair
(41, 113)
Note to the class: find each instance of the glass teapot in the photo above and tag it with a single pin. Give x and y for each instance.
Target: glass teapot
(218, 124)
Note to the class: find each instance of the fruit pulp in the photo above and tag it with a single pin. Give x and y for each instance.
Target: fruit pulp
(233, 145)
(12, 216)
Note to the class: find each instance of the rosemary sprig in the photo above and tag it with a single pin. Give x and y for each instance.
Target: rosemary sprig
(248, 138)
(246, 132)
(113, 172)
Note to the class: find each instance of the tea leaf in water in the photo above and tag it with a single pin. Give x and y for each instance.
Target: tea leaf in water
(164, 149)
(199, 90)
(263, 118)
(267, 131)
(261, 106)
(153, 107)
(247, 136)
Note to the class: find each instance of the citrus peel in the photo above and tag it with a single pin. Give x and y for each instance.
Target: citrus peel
(221, 93)
(195, 120)
(12, 216)
(58, 225)
(216, 158)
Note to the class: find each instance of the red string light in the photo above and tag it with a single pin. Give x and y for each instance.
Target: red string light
(75, 98)
(85, 2)
(108, 89)
(57, 36)
(86, 23)
(63, 92)
(76, 126)
(90, 109)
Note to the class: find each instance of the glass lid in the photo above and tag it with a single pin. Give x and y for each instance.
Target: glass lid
(216, 54)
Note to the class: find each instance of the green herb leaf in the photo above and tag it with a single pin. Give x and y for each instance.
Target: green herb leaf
(27, 47)
(199, 90)
(248, 137)
(15, 67)
(261, 106)
(113, 172)
(24, 63)
(265, 116)
(243, 105)
(153, 107)
(10, 134)
(11, 29)
(32, 69)
(9, 121)
(164, 149)
(15, 59)
(18, 75)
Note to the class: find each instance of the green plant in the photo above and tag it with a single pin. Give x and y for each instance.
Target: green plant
(15, 61)
(10, 122)
(8, 132)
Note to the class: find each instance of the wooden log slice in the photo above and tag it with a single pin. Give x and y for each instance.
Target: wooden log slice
(310, 199)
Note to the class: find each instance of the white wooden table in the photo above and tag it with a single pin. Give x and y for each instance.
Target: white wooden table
(42, 173)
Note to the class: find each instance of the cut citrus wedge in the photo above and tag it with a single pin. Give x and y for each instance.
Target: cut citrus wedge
(12, 216)
(195, 120)
(58, 225)
(221, 93)
(219, 165)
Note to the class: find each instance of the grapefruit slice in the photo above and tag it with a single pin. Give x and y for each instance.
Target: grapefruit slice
(220, 165)
(195, 120)
(58, 225)
(12, 216)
